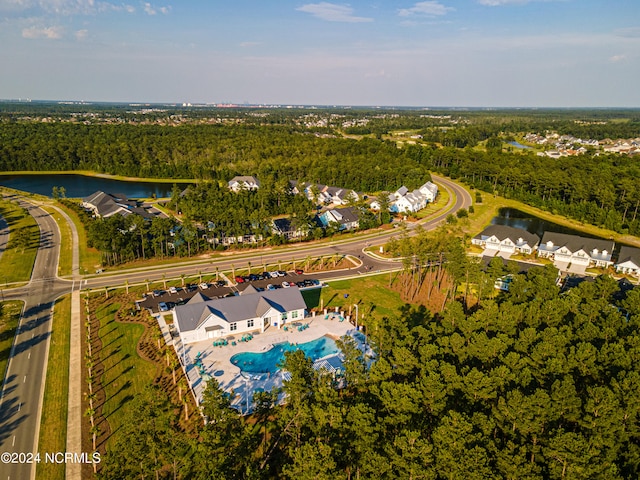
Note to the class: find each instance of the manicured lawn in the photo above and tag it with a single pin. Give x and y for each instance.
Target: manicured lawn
(53, 425)
(66, 242)
(125, 373)
(89, 257)
(17, 260)
(9, 318)
(372, 294)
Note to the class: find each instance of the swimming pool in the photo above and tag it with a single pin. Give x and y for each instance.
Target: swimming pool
(267, 362)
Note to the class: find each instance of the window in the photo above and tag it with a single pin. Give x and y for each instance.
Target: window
(250, 323)
(233, 327)
(284, 316)
(294, 314)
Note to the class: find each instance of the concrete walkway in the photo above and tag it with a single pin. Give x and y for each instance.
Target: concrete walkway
(74, 406)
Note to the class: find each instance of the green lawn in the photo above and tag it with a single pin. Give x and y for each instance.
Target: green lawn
(125, 373)
(9, 318)
(53, 425)
(89, 257)
(17, 260)
(66, 242)
(372, 294)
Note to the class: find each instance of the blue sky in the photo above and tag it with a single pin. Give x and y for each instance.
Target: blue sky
(476, 53)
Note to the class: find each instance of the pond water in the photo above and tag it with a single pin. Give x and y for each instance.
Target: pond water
(78, 186)
(518, 145)
(518, 219)
(267, 362)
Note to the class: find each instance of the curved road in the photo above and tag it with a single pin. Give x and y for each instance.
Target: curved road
(23, 389)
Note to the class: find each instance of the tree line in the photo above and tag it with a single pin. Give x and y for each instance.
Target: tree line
(535, 383)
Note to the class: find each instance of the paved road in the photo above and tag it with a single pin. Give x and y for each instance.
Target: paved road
(459, 198)
(20, 404)
(22, 392)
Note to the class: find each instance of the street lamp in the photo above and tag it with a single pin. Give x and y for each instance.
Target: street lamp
(356, 305)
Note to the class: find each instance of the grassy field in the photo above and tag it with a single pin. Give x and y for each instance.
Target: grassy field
(89, 257)
(125, 373)
(53, 425)
(66, 242)
(17, 260)
(9, 318)
(372, 294)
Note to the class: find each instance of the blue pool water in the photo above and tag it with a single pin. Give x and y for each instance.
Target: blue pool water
(267, 362)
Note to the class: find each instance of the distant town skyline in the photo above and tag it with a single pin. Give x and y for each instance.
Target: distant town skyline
(449, 53)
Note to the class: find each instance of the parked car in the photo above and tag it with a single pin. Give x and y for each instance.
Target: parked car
(220, 283)
(271, 287)
(281, 273)
(163, 307)
(273, 274)
(285, 285)
(298, 271)
(173, 290)
(157, 293)
(204, 285)
(191, 287)
(239, 279)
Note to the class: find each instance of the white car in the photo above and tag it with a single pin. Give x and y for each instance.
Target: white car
(173, 290)
(286, 284)
(273, 274)
(204, 285)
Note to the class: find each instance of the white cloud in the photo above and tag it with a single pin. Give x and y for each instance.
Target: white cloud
(249, 44)
(500, 3)
(64, 7)
(151, 10)
(81, 34)
(430, 8)
(49, 33)
(617, 58)
(332, 12)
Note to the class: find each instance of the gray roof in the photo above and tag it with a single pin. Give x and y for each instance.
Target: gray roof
(248, 179)
(629, 254)
(502, 232)
(234, 309)
(575, 242)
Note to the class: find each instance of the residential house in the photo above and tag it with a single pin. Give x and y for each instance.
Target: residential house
(503, 238)
(283, 227)
(347, 218)
(628, 261)
(243, 183)
(202, 318)
(105, 205)
(411, 202)
(573, 249)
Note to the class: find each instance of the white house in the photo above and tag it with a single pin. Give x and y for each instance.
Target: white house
(628, 261)
(503, 238)
(243, 183)
(346, 217)
(201, 318)
(430, 191)
(576, 250)
(411, 202)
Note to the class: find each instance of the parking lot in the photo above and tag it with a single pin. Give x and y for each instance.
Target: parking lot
(165, 300)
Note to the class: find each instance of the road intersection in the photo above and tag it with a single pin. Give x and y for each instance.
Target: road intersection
(23, 388)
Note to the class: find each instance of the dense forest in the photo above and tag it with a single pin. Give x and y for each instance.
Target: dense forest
(535, 383)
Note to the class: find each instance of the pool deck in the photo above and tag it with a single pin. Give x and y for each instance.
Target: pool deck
(216, 361)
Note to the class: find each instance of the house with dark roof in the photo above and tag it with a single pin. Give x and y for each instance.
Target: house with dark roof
(105, 205)
(573, 249)
(243, 182)
(347, 218)
(503, 238)
(283, 227)
(202, 318)
(628, 261)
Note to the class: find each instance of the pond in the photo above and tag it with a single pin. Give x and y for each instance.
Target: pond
(78, 186)
(518, 219)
